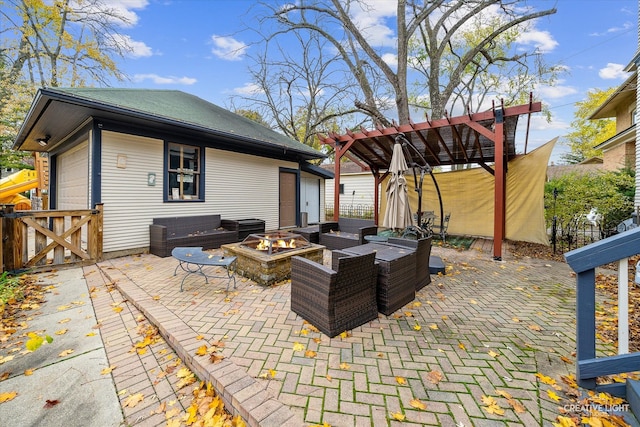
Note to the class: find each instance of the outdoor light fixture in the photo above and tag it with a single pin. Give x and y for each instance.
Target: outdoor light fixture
(44, 141)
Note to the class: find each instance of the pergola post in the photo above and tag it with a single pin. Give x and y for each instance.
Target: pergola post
(499, 190)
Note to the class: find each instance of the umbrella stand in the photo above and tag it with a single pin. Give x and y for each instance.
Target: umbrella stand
(400, 138)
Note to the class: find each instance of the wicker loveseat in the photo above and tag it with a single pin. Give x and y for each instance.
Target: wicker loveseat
(422, 248)
(204, 230)
(335, 299)
(346, 232)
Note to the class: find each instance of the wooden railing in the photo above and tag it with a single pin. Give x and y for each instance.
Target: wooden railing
(38, 240)
(584, 262)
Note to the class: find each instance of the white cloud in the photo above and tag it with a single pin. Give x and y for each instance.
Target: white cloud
(613, 71)
(160, 80)
(228, 48)
(123, 8)
(135, 49)
(248, 89)
(391, 59)
(369, 18)
(626, 26)
(542, 40)
(539, 122)
(555, 92)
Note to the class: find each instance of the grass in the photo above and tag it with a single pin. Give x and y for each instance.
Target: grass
(10, 288)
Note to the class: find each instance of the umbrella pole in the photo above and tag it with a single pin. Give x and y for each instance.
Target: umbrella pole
(426, 167)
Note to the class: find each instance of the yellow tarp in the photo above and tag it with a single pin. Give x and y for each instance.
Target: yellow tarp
(469, 196)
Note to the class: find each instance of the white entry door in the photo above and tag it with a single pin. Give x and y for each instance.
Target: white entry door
(310, 198)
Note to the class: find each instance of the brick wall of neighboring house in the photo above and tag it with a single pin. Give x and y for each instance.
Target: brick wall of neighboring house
(620, 156)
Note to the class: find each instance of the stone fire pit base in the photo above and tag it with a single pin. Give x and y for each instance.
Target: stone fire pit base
(266, 269)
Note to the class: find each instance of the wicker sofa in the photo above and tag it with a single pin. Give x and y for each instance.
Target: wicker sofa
(204, 230)
(346, 232)
(335, 299)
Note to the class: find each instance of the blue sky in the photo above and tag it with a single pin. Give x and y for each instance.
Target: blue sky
(199, 46)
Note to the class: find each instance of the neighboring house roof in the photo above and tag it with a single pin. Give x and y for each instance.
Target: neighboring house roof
(596, 160)
(556, 171)
(624, 95)
(345, 168)
(627, 135)
(57, 112)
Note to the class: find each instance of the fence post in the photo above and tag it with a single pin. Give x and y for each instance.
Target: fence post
(11, 240)
(98, 233)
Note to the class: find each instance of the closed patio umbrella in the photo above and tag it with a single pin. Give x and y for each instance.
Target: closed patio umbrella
(398, 212)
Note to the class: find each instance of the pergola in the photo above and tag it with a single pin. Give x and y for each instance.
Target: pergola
(486, 138)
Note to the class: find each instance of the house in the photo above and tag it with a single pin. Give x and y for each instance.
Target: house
(619, 151)
(357, 189)
(158, 153)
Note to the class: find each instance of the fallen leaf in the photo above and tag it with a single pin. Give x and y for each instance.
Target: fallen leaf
(434, 376)
(535, 328)
(552, 394)
(201, 351)
(200, 337)
(472, 301)
(401, 380)
(503, 394)
(117, 309)
(461, 346)
(65, 353)
(545, 379)
(416, 403)
(64, 320)
(28, 372)
(345, 334)
(433, 326)
(51, 403)
(310, 354)
(417, 327)
(397, 416)
(61, 331)
(216, 358)
(133, 400)
(298, 347)
(517, 406)
(345, 366)
(108, 370)
(493, 353)
(5, 397)
(565, 359)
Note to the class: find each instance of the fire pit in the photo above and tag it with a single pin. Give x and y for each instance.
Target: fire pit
(275, 242)
(266, 258)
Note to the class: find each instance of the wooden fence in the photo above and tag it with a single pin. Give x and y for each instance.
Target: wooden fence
(40, 240)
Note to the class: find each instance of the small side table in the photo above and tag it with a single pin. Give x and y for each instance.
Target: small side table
(192, 259)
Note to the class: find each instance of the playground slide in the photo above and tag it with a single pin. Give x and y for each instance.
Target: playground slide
(16, 183)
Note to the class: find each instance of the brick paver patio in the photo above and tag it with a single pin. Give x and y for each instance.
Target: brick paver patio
(484, 326)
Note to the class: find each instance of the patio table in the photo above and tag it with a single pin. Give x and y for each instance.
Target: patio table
(396, 274)
(193, 259)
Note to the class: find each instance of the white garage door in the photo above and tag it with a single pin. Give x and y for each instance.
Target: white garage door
(73, 178)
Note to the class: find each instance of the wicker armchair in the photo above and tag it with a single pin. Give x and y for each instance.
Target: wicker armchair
(423, 254)
(335, 301)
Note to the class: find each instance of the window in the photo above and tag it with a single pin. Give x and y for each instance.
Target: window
(183, 172)
(341, 188)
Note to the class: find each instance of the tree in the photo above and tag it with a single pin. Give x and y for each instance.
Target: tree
(436, 28)
(49, 44)
(587, 134)
(296, 89)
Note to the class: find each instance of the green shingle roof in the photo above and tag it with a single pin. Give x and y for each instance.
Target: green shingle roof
(178, 106)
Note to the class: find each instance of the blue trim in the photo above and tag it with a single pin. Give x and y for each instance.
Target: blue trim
(96, 164)
(53, 181)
